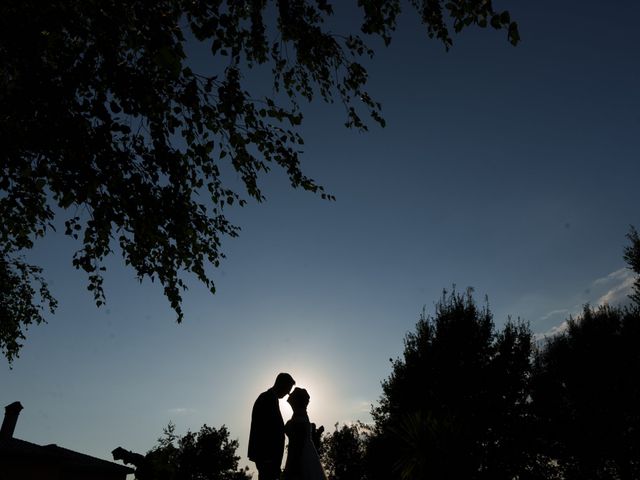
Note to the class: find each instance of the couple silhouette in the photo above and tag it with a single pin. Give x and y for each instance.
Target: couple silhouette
(266, 438)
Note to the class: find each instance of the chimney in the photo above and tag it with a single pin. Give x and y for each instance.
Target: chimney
(11, 413)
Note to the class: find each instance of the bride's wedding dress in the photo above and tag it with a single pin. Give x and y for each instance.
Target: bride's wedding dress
(303, 462)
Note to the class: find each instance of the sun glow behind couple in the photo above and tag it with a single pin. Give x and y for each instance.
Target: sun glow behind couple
(320, 388)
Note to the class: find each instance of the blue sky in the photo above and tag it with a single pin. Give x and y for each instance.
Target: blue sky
(512, 170)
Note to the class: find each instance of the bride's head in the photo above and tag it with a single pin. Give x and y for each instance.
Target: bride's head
(298, 399)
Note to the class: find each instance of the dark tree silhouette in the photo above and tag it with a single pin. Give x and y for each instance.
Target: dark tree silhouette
(586, 395)
(632, 257)
(19, 304)
(206, 455)
(455, 405)
(105, 122)
(344, 452)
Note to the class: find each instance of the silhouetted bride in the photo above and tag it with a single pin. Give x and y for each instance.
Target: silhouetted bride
(303, 462)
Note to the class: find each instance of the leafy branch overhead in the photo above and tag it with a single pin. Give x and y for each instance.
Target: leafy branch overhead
(105, 121)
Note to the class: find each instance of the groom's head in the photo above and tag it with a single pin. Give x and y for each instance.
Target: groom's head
(283, 385)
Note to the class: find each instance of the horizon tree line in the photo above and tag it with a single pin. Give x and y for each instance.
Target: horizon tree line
(470, 401)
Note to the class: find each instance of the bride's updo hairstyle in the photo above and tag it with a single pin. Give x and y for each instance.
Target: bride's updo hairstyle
(298, 399)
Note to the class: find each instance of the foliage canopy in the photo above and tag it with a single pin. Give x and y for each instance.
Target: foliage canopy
(632, 257)
(586, 395)
(105, 122)
(455, 405)
(344, 452)
(205, 455)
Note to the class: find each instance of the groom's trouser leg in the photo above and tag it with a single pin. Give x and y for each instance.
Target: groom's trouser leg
(268, 471)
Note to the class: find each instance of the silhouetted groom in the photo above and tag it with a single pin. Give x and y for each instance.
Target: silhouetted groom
(266, 439)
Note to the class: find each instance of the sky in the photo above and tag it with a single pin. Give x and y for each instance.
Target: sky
(510, 170)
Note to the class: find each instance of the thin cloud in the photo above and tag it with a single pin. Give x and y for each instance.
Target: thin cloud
(553, 331)
(364, 407)
(612, 289)
(618, 293)
(613, 277)
(563, 314)
(181, 411)
(553, 313)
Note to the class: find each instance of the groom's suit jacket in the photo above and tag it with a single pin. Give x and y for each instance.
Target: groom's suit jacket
(266, 438)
